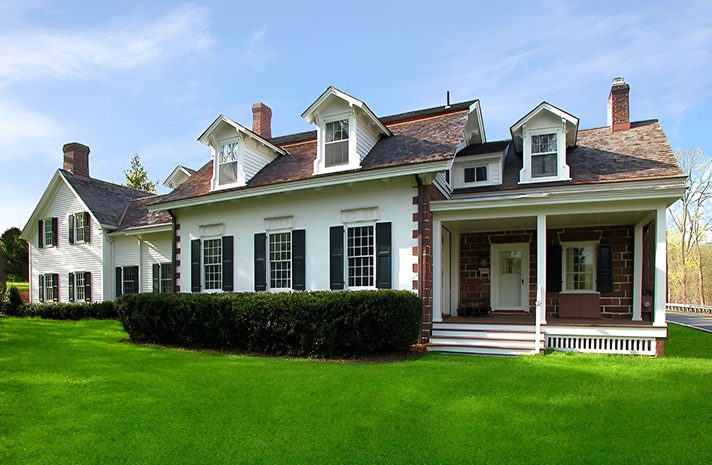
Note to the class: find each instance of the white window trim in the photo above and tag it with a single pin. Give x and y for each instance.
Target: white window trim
(45, 221)
(269, 261)
(76, 287)
(354, 161)
(346, 256)
(216, 148)
(476, 183)
(76, 241)
(204, 288)
(563, 172)
(123, 279)
(564, 247)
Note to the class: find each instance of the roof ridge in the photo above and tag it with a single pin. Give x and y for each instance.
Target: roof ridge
(148, 194)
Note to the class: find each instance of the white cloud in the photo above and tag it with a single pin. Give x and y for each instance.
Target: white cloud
(123, 43)
(254, 52)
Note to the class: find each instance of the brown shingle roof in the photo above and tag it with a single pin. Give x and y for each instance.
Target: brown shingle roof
(136, 215)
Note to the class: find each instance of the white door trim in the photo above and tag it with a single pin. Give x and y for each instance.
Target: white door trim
(494, 263)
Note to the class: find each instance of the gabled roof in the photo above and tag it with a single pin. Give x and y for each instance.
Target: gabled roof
(178, 171)
(570, 119)
(353, 101)
(222, 119)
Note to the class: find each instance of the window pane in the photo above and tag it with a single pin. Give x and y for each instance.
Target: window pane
(481, 173)
(49, 289)
(79, 286)
(228, 173)
(167, 278)
(544, 143)
(338, 130)
(579, 268)
(129, 279)
(227, 164)
(280, 260)
(79, 227)
(360, 249)
(544, 165)
(212, 259)
(337, 153)
(470, 175)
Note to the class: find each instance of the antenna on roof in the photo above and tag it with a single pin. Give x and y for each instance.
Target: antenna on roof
(448, 100)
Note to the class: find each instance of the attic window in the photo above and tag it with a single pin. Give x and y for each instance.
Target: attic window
(337, 143)
(476, 174)
(227, 166)
(544, 155)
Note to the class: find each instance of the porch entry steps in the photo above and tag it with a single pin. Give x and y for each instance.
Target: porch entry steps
(484, 339)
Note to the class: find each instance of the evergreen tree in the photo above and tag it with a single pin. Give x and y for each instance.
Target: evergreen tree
(14, 253)
(137, 177)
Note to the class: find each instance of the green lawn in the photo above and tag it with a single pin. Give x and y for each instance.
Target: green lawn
(71, 393)
(24, 286)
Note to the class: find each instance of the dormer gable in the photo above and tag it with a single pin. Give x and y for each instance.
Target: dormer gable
(237, 153)
(346, 132)
(542, 136)
(178, 176)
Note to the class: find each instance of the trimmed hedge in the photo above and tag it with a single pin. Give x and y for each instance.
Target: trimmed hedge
(304, 324)
(58, 311)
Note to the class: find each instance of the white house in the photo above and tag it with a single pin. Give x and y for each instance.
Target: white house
(560, 231)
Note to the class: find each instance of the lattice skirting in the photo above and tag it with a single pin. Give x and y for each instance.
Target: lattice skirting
(602, 344)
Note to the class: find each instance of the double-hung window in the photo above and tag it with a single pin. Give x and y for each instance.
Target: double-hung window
(212, 260)
(80, 227)
(227, 164)
(360, 249)
(280, 260)
(337, 143)
(544, 153)
(47, 232)
(130, 281)
(579, 267)
(79, 287)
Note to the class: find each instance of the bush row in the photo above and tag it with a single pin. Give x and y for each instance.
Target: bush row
(58, 311)
(10, 300)
(311, 324)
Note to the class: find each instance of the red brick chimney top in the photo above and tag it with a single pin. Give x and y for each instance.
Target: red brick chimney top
(618, 107)
(262, 120)
(76, 159)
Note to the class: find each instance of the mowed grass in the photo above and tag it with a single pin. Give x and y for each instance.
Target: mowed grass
(70, 392)
(22, 287)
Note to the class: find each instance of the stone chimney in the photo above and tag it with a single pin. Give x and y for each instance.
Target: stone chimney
(76, 159)
(618, 109)
(262, 120)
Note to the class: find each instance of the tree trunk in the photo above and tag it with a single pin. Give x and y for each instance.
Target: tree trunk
(699, 272)
(683, 272)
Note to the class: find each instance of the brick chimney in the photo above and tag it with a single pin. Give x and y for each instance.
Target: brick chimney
(76, 159)
(262, 120)
(618, 109)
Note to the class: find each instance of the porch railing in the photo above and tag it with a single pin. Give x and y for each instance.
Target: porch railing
(688, 308)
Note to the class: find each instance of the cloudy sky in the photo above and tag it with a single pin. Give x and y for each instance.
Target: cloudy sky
(126, 77)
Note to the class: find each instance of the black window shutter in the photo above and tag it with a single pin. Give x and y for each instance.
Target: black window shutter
(119, 282)
(383, 255)
(156, 277)
(55, 286)
(87, 229)
(298, 260)
(41, 288)
(228, 269)
(55, 232)
(260, 262)
(336, 257)
(605, 268)
(71, 229)
(136, 280)
(71, 287)
(195, 265)
(87, 286)
(553, 268)
(40, 234)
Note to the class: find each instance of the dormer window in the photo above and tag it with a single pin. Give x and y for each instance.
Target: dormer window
(544, 155)
(476, 174)
(337, 143)
(227, 169)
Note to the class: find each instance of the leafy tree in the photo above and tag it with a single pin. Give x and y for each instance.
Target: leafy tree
(14, 253)
(137, 177)
(2, 278)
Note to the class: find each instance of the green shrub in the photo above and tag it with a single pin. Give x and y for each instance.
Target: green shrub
(14, 300)
(59, 311)
(311, 324)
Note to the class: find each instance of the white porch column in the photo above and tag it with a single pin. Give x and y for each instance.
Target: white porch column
(437, 269)
(637, 272)
(660, 268)
(540, 270)
(455, 271)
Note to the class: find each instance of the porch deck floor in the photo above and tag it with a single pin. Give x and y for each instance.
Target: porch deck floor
(551, 321)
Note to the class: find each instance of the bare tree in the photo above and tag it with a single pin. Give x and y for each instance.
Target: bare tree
(691, 215)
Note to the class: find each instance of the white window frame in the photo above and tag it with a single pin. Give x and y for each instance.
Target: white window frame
(347, 256)
(474, 167)
(77, 228)
(76, 286)
(531, 136)
(48, 283)
(49, 231)
(354, 161)
(124, 280)
(238, 146)
(205, 264)
(565, 246)
(346, 141)
(270, 261)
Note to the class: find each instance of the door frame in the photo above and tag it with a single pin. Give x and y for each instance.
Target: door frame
(446, 271)
(494, 277)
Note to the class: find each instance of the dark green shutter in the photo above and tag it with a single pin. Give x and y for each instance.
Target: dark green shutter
(119, 281)
(55, 232)
(55, 286)
(87, 229)
(383, 255)
(71, 229)
(299, 260)
(135, 288)
(40, 234)
(260, 262)
(228, 268)
(605, 268)
(336, 257)
(195, 265)
(553, 268)
(41, 288)
(156, 277)
(71, 287)
(87, 286)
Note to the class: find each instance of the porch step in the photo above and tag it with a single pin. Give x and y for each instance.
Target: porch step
(498, 335)
(484, 339)
(471, 350)
(494, 343)
(485, 327)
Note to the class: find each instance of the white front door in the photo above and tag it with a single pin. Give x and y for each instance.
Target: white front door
(446, 292)
(510, 276)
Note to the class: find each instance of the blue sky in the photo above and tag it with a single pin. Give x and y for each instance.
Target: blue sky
(127, 77)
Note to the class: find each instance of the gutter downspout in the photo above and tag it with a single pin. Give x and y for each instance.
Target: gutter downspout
(420, 245)
(173, 248)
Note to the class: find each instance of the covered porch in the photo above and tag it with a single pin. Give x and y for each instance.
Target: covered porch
(587, 276)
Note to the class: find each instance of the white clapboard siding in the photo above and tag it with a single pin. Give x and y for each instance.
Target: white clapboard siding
(364, 141)
(66, 258)
(155, 248)
(254, 160)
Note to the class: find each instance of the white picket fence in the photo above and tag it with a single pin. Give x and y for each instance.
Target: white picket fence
(688, 308)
